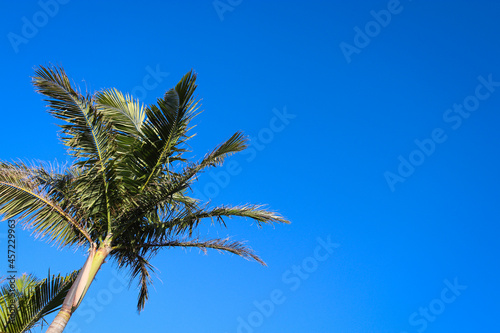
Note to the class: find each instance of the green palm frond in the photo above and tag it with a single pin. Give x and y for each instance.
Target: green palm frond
(163, 190)
(221, 245)
(185, 89)
(126, 113)
(139, 268)
(23, 196)
(87, 134)
(191, 220)
(236, 143)
(32, 300)
(165, 130)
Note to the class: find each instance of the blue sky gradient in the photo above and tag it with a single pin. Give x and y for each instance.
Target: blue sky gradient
(374, 128)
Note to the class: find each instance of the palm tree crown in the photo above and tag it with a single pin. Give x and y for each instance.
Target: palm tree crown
(126, 194)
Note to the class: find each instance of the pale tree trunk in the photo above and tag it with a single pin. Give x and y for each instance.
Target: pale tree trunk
(80, 287)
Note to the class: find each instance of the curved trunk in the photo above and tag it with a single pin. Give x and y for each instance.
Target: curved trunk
(79, 287)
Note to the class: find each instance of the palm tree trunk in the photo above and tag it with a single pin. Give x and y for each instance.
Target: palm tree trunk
(79, 287)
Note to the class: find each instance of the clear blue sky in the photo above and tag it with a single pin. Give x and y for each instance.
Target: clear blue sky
(374, 126)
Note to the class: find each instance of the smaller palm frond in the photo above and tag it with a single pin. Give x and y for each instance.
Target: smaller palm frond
(236, 143)
(31, 301)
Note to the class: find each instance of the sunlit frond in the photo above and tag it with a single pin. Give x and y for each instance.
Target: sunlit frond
(126, 113)
(89, 136)
(31, 301)
(85, 133)
(23, 196)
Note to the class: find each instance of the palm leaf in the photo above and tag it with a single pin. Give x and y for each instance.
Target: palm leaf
(32, 300)
(22, 196)
(164, 189)
(221, 245)
(190, 220)
(236, 143)
(140, 269)
(126, 113)
(165, 130)
(87, 134)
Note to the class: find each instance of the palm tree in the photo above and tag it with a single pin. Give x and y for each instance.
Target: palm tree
(126, 194)
(25, 301)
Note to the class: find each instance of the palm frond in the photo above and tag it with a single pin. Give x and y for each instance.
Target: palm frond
(126, 113)
(87, 134)
(127, 116)
(139, 268)
(221, 245)
(162, 191)
(32, 300)
(22, 196)
(184, 222)
(236, 143)
(190, 220)
(165, 130)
